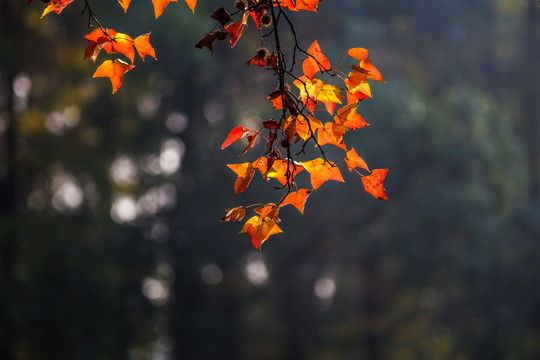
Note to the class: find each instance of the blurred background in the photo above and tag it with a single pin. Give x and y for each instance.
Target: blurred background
(110, 243)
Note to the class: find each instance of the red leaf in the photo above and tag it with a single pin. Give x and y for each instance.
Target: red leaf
(55, 6)
(236, 28)
(234, 135)
(373, 183)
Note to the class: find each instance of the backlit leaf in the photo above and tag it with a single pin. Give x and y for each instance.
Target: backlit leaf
(347, 116)
(124, 4)
(321, 171)
(114, 70)
(55, 6)
(142, 44)
(236, 29)
(234, 135)
(332, 133)
(357, 85)
(316, 62)
(353, 161)
(306, 127)
(297, 199)
(191, 4)
(283, 171)
(234, 214)
(310, 5)
(260, 229)
(270, 211)
(373, 183)
(245, 173)
(160, 5)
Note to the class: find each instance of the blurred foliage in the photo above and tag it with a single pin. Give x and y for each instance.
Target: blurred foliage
(110, 245)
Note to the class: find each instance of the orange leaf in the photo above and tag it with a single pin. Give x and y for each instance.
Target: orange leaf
(310, 5)
(348, 117)
(306, 127)
(280, 169)
(234, 214)
(121, 44)
(297, 199)
(353, 160)
(287, 4)
(269, 210)
(251, 142)
(373, 183)
(373, 72)
(316, 62)
(191, 4)
(142, 44)
(236, 28)
(234, 135)
(357, 85)
(160, 5)
(321, 171)
(245, 173)
(260, 229)
(124, 4)
(114, 70)
(332, 133)
(55, 6)
(358, 53)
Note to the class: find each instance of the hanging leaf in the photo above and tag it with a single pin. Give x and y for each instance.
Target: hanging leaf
(142, 44)
(234, 214)
(244, 174)
(321, 171)
(234, 135)
(353, 161)
(260, 229)
(297, 199)
(114, 70)
(373, 183)
(316, 62)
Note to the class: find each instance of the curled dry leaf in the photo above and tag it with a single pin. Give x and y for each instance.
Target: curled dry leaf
(234, 214)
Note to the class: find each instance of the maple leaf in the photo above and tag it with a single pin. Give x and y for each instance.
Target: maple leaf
(236, 29)
(347, 116)
(297, 199)
(114, 70)
(191, 5)
(270, 211)
(121, 44)
(160, 5)
(353, 160)
(310, 5)
(55, 6)
(365, 64)
(316, 62)
(357, 85)
(209, 39)
(221, 15)
(142, 44)
(234, 214)
(111, 41)
(332, 133)
(313, 91)
(320, 171)
(283, 171)
(260, 229)
(125, 4)
(234, 135)
(287, 4)
(373, 183)
(307, 126)
(245, 173)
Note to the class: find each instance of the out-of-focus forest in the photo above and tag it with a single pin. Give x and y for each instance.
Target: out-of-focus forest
(110, 240)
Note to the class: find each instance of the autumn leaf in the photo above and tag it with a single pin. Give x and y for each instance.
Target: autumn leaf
(121, 44)
(286, 4)
(251, 142)
(283, 171)
(297, 199)
(221, 15)
(260, 229)
(234, 135)
(160, 5)
(111, 41)
(357, 85)
(320, 171)
(245, 173)
(316, 62)
(358, 53)
(236, 28)
(307, 126)
(353, 161)
(234, 214)
(142, 44)
(332, 133)
(365, 64)
(310, 5)
(373, 183)
(124, 4)
(114, 70)
(347, 116)
(315, 91)
(209, 39)
(191, 4)
(55, 6)
(270, 211)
